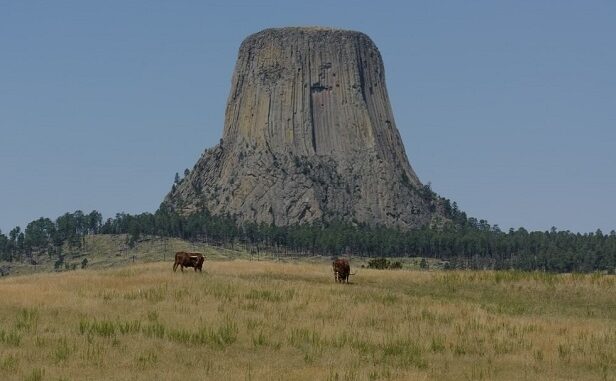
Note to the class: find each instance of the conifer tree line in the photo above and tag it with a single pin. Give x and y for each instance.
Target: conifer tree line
(461, 242)
(44, 236)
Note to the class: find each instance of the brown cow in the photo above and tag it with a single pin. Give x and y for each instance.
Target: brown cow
(342, 270)
(184, 259)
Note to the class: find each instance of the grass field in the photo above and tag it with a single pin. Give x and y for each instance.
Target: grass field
(269, 320)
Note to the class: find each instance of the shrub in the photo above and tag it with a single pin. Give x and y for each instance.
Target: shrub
(59, 263)
(423, 264)
(383, 264)
(378, 263)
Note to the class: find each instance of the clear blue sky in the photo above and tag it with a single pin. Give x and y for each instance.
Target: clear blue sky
(507, 107)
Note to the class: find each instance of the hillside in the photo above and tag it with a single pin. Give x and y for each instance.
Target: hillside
(107, 250)
(257, 320)
(104, 251)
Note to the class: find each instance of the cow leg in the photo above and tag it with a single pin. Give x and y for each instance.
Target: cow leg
(182, 267)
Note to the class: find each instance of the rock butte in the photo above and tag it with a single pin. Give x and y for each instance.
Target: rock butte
(309, 136)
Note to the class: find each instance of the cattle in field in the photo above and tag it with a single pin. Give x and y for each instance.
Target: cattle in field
(185, 259)
(342, 270)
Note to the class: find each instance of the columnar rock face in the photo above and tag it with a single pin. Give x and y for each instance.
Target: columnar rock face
(309, 136)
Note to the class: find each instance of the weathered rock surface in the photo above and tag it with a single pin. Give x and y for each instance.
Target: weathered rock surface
(309, 135)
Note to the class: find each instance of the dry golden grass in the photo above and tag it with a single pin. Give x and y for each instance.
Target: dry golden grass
(263, 320)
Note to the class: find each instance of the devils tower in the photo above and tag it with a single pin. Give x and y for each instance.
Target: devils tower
(309, 136)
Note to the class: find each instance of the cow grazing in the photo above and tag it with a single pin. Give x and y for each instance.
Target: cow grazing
(342, 270)
(185, 259)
